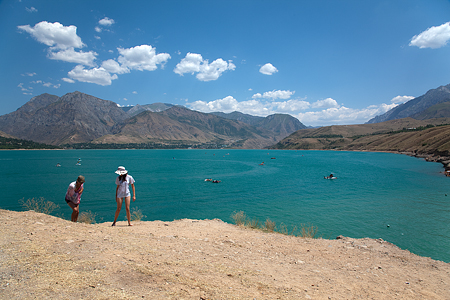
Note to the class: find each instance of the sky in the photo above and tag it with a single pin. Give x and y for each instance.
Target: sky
(325, 62)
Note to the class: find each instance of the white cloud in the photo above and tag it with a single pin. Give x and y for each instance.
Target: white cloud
(98, 29)
(342, 115)
(229, 104)
(319, 113)
(290, 106)
(29, 74)
(68, 80)
(327, 103)
(134, 92)
(106, 21)
(113, 66)
(279, 94)
(72, 56)
(141, 58)
(434, 37)
(31, 9)
(54, 35)
(95, 75)
(194, 63)
(268, 69)
(401, 99)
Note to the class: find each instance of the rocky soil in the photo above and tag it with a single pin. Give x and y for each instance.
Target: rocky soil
(44, 257)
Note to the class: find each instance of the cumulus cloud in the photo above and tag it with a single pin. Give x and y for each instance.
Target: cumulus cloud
(342, 115)
(434, 37)
(229, 104)
(279, 94)
(95, 75)
(142, 58)
(54, 35)
(401, 99)
(319, 113)
(72, 56)
(194, 63)
(289, 106)
(327, 103)
(268, 69)
(106, 21)
(113, 66)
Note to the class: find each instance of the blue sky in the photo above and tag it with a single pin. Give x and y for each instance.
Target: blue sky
(324, 62)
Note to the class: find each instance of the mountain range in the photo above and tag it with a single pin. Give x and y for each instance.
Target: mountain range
(433, 104)
(80, 118)
(419, 126)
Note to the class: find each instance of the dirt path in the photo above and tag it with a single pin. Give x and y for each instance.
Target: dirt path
(47, 257)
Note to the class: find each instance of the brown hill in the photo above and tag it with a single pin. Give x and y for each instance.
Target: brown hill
(402, 135)
(73, 118)
(183, 125)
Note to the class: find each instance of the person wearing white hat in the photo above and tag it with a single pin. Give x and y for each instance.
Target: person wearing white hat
(123, 182)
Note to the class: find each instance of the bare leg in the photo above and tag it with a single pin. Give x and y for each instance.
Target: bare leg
(75, 211)
(127, 207)
(119, 206)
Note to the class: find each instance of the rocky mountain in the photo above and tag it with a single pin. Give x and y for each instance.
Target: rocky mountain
(72, 118)
(183, 125)
(415, 108)
(154, 107)
(278, 123)
(80, 118)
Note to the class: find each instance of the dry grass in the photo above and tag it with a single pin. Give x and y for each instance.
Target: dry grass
(136, 214)
(304, 230)
(39, 205)
(87, 217)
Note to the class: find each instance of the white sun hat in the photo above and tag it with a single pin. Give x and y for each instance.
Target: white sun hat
(121, 170)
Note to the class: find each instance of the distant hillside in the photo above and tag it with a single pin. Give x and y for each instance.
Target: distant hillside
(72, 118)
(403, 135)
(416, 107)
(280, 124)
(186, 126)
(154, 107)
(81, 120)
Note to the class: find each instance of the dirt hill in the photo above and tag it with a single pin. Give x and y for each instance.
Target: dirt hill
(44, 257)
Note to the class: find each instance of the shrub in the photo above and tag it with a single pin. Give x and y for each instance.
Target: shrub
(87, 217)
(239, 218)
(308, 231)
(39, 205)
(136, 214)
(305, 231)
(254, 223)
(269, 225)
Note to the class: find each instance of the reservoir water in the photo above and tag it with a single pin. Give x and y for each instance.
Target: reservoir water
(398, 198)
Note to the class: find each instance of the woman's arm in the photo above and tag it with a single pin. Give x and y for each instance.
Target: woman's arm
(117, 187)
(134, 192)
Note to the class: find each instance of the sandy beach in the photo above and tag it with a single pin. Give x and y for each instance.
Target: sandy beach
(44, 257)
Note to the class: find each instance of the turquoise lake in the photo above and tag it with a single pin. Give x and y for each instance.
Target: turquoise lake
(398, 198)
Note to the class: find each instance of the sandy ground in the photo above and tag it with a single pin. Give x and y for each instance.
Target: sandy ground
(44, 257)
